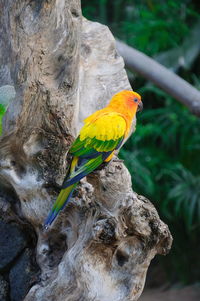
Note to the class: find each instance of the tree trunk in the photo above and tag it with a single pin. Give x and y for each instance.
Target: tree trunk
(64, 68)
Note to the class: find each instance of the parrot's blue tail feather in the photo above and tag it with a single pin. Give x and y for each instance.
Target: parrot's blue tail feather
(49, 220)
(60, 203)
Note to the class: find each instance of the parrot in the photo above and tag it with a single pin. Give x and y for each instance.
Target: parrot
(102, 134)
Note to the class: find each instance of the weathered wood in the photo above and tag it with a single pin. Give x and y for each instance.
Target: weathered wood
(64, 68)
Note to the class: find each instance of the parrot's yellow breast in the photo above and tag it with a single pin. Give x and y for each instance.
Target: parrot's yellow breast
(108, 126)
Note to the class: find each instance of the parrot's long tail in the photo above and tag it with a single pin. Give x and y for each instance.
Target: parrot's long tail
(62, 200)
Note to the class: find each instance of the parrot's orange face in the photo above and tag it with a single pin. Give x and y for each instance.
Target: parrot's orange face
(128, 100)
(134, 100)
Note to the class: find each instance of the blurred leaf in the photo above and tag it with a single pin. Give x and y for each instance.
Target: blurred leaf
(7, 94)
(185, 196)
(2, 112)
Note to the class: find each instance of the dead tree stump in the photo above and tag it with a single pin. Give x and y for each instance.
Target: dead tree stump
(64, 68)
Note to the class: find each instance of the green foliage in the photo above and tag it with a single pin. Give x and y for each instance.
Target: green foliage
(7, 94)
(2, 112)
(185, 195)
(163, 154)
(150, 26)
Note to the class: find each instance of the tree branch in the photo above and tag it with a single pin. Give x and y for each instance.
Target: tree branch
(177, 87)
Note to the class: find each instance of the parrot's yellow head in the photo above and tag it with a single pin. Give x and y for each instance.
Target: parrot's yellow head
(126, 102)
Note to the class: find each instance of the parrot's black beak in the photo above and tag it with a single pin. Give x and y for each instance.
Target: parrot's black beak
(140, 107)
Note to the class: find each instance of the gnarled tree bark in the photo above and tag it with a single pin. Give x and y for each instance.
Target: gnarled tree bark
(64, 68)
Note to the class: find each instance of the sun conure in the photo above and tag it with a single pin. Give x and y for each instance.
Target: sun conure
(103, 132)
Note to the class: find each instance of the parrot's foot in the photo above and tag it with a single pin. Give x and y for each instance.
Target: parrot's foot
(118, 160)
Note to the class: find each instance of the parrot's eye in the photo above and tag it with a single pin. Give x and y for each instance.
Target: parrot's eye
(135, 100)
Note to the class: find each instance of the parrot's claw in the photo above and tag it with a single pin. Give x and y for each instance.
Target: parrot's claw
(118, 160)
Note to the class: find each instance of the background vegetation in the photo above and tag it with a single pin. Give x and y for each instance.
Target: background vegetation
(163, 155)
